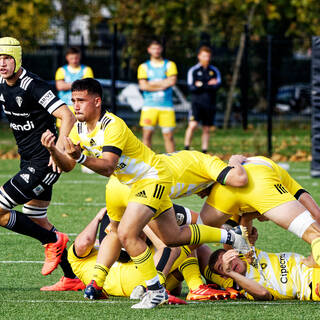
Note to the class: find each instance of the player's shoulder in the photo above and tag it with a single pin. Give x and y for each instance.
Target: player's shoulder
(109, 118)
(143, 65)
(194, 68)
(29, 80)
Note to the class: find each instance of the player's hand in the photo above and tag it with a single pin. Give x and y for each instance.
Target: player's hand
(227, 259)
(212, 82)
(198, 83)
(237, 159)
(54, 166)
(74, 151)
(101, 214)
(309, 262)
(48, 140)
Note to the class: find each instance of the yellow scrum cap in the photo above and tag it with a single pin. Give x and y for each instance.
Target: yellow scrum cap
(11, 47)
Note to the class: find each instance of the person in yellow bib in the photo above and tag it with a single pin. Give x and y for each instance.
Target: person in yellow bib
(269, 276)
(68, 73)
(110, 148)
(271, 192)
(156, 78)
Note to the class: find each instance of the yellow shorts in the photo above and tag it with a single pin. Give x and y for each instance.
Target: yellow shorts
(152, 116)
(58, 121)
(122, 277)
(263, 192)
(150, 192)
(289, 183)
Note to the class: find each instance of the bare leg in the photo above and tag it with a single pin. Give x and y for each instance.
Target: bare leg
(169, 141)
(205, 138)
(189, 132)
(147, 137)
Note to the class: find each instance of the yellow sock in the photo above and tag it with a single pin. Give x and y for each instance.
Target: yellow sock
(191, 273)
(145, 265)
(185, 251)
(100, 273)
(172, 282)
(315, 247)
(205, 234)
(162, 278)
(216, 278)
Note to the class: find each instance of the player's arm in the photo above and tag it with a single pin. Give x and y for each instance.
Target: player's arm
(234, 175)
(61, 85)
(85, 241)
(214, 83)
(159, 85)
(193, 85)
(103, 166)
(308, 202)
(257, 291)
(67, 121)
(61, 159)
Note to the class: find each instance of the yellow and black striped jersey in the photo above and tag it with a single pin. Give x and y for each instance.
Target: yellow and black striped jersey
(111, 134)
(283, 274)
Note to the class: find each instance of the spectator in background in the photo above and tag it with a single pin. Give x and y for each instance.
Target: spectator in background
(70, 72)
(156, 78)
(203, 81)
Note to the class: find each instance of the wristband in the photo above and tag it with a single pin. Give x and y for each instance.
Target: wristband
(82, 158)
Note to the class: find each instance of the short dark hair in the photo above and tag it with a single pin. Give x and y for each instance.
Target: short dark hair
(73, 50)
(91, 85)
(214, 257)
(154, 41)
(205, 49)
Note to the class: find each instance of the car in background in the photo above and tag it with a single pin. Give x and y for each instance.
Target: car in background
(295, 98)
(129, 100)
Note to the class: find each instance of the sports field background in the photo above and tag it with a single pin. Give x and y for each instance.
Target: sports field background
(77, 197)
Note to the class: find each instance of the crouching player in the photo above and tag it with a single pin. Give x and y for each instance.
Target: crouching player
(269, 276)
(123, 276)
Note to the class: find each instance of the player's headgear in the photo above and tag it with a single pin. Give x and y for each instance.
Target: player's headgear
(11, 47)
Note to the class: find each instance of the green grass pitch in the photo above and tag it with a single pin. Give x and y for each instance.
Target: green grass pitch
(76, 199)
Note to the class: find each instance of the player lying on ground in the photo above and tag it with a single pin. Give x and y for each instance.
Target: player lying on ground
(269, 276)
(271, 192)
(123, 276)
(31, 108)
(115, 150)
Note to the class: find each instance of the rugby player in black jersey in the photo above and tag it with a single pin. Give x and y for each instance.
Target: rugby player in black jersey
(32, 108)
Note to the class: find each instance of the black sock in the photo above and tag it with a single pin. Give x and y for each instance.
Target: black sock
(22, 224)
(64, 264)
(204, 151)
(155, 286)
(186, 147)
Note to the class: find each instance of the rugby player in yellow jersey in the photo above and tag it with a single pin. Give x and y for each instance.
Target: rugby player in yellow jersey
(111, 148)
(270, 191)
(269, 276)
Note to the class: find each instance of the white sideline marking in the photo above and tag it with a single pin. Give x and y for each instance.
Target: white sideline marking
(299, 170)
(303, 177)
(84, 204)
(82, 182)
(20, 261)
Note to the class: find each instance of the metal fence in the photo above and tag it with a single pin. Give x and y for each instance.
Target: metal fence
(284, 63)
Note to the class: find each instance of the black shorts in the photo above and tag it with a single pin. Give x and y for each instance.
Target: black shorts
(205, 114)
(33, 181)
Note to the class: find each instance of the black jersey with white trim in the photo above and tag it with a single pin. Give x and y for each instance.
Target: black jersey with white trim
(29, 105)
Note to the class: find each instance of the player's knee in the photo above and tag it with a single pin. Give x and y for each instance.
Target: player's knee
(4, 218)
(6, 202)
(35, 212)
(124, 236)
